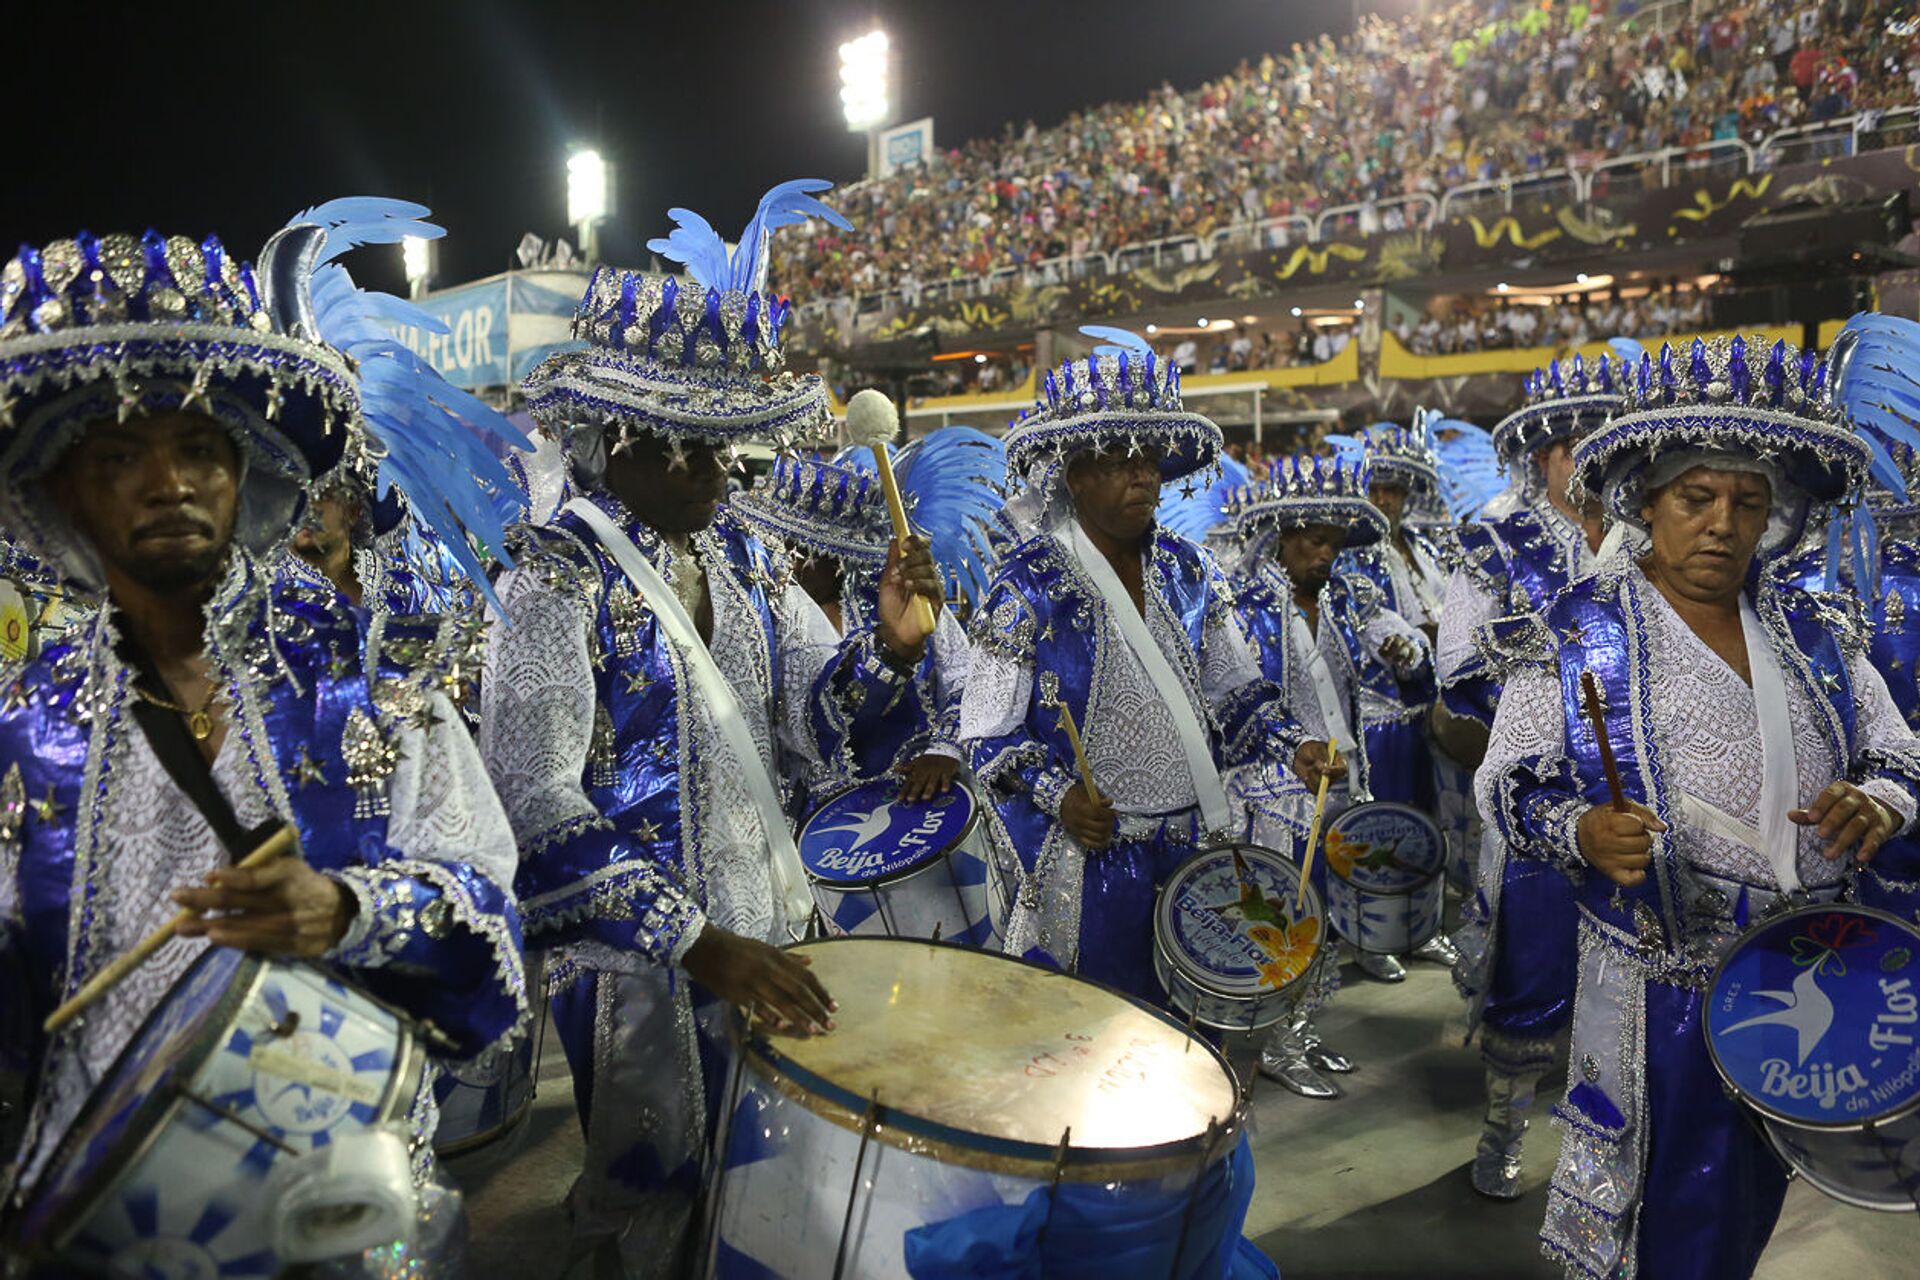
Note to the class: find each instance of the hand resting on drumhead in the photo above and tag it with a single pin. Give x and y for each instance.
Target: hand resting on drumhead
(283, 907)
(1089, 821)
(927, 777)
(1619, 844)
(775, 986)
(1848, 818)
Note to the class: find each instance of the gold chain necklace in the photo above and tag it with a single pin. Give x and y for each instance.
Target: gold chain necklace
(199, 723)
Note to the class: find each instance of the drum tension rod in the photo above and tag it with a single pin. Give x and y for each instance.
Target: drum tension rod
(286, 1026)
(235, 1117)
(1193, 1192)
(869, 1121)
(1053, 1189)
(937, 926)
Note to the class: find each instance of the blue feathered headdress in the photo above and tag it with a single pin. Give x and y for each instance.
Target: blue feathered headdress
(1470, 472)
(694, 243)
(1193, 511)
(435, 444)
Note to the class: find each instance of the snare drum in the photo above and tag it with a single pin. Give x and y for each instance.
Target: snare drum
(1384, 887)
(1813, 1020)
(880, 866)
(191, 1157)
(974, 1103)
(1229, 948)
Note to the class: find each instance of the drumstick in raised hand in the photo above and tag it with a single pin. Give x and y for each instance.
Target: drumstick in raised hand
(280, 842)
(1313, 831)
(873, 421)
(1590, 695)
(1079, 752)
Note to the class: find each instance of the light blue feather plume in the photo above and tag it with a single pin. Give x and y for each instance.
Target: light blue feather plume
(1875, 355)
(1192, 513)
(787, 204)
(1470, 473)
(1114, 341)
(695, 245)
(1627, 351)
(439, 443)
(953, 481)
(356, 220)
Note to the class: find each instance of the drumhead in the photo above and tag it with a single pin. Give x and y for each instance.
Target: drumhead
(1811, 1017)
(1226, 920)
(1384, 848)
(132, 1101)
(868, 836)
(985, 1059)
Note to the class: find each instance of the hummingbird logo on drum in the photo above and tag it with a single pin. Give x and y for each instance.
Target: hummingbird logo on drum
(1808, 1010)
(864, 826)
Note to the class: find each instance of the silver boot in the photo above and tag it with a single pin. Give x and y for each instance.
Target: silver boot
(1496, 1163)
(1319, 1055)
(1439, 949)
(1284, 1060)
(1381, 968)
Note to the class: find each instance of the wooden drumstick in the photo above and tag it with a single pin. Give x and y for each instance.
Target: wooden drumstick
(873, 421)
(1590, 694)
(1079, 752)
(1313, 832)
(280, 842)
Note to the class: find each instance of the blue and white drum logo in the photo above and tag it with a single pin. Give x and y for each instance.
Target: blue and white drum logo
(1813, 1017)
(1232, 917)
(870, 834)
(1384, 848)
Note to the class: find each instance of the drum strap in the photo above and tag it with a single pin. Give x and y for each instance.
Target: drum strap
(1212, 794)
(1779, 762)
(789, 879)
(1332, 714)
(174, 747)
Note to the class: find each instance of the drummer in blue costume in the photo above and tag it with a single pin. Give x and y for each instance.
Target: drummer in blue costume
(832, 517)
(167, 410)
(1131, 629)
(1517, 933)
(1344, 661)
(1759, 754)
(656, 660)
(1410, 569)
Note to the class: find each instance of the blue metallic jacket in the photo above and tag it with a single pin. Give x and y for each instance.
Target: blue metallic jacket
(1389, 710)
(320, 692)
(1370, 562)
(620, 876)
(1599, 625)
(1521, 565)
(1040, 613)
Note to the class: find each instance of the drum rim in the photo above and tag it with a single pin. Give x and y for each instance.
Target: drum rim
(905, 873)
(1200, 980)
(1850, 1125)
(1411, 889)
(915, 1134)
(409, 1063)
(1827, 1187)
(144, 1126)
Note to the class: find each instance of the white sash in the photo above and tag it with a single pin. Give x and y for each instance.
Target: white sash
(1333, 716)
(783, 859)
(1214, 811)
(1780, 765)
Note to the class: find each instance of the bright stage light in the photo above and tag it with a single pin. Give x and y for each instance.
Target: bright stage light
(416, 256)
(863, 81)
(587, 187)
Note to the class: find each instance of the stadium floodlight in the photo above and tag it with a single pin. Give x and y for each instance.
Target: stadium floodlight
(979, 357)
(589, 197)
(416, 255)
(1501, 287)
(1153, 328)
(1296, 313)
(863, 81)
(1359, 304)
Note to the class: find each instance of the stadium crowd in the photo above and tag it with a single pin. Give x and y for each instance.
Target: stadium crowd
(1472, 91)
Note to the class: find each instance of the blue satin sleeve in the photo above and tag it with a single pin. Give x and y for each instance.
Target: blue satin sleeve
(442, 941)
(864, 711)
(587, 882)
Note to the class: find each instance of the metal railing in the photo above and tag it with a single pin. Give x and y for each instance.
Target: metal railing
(1615, 181)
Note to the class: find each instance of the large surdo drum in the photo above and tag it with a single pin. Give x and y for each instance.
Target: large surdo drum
(881, 866)
(1813, 1020)
(966, 1093)
(252, 1122)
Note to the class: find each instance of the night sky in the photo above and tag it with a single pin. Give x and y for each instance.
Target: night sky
(228, 118)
